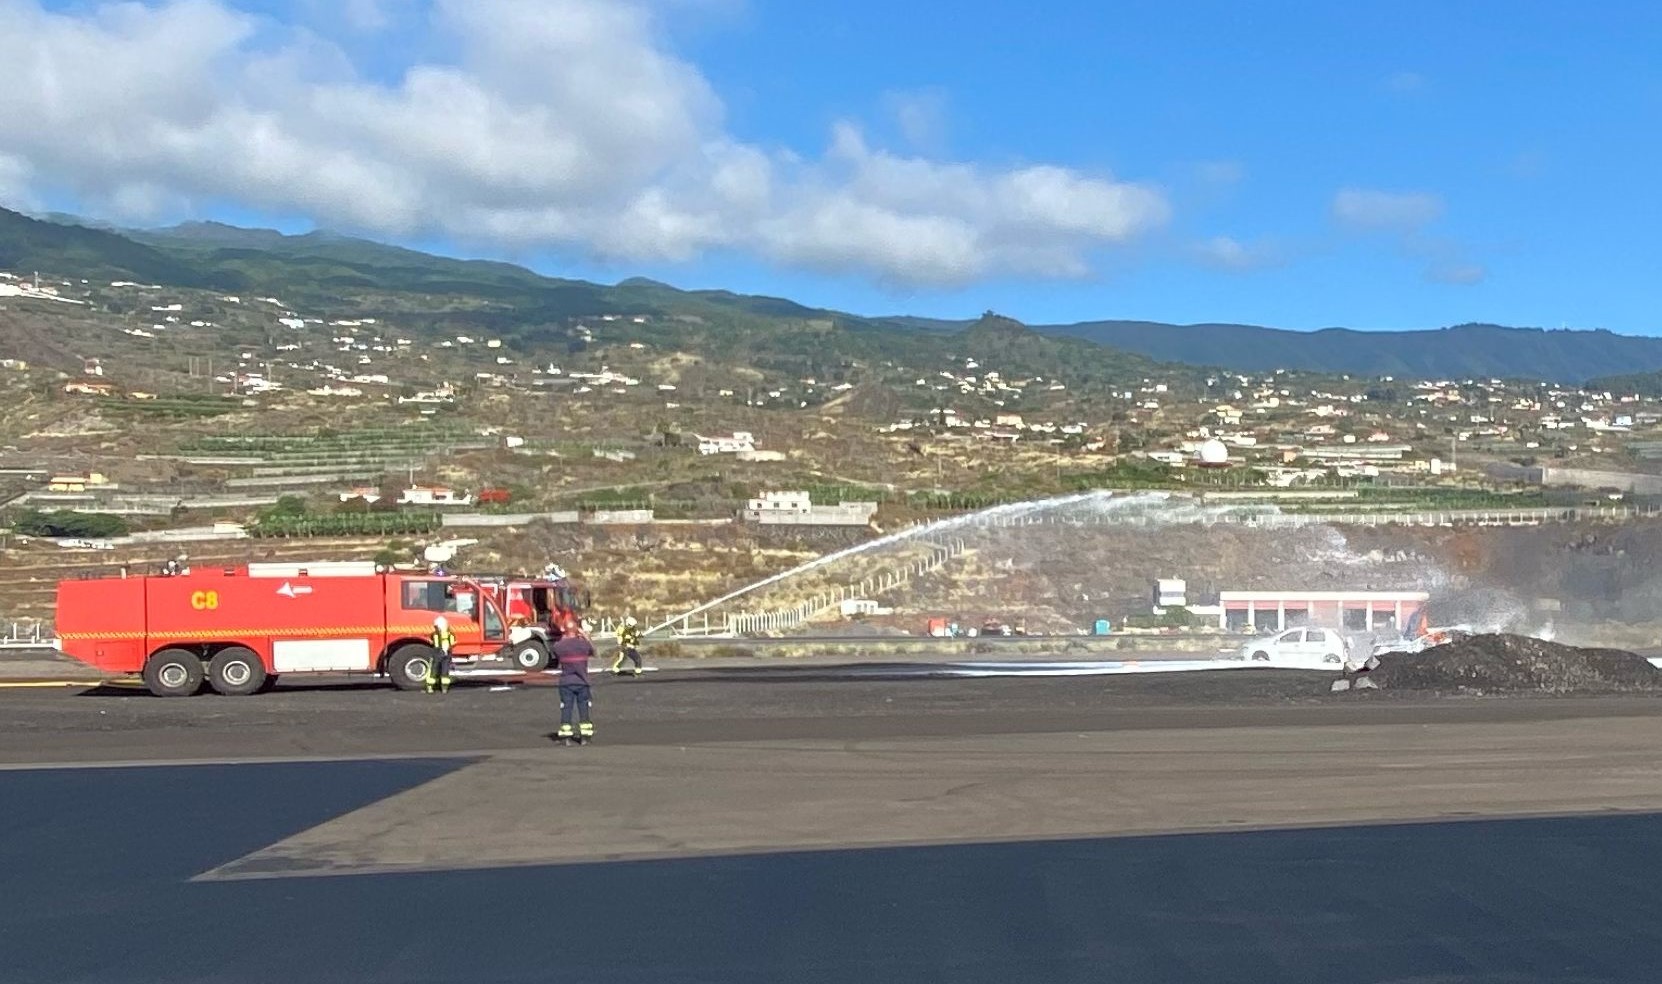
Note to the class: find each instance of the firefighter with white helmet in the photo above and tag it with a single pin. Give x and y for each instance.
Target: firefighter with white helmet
(628, 645)
(444, 643)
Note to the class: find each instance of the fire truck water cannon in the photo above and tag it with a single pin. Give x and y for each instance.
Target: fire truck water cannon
(238, 628)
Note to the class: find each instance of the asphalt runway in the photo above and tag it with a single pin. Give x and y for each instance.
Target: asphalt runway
(101, 865)
(741, 826)
(359, 717)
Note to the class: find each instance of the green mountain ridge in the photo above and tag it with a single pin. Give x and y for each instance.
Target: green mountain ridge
(320, 267)
(324, 272)
(1457, 352)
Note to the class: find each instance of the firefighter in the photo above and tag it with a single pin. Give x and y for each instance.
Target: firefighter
(628, 646)
(438, 671)
(571, 655)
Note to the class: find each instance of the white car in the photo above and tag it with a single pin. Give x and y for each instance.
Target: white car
(1301, 648)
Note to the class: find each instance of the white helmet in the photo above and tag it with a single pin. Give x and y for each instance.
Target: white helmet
(441, 623)
(629, 620)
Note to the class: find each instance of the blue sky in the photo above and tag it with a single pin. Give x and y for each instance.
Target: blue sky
(1412, 164)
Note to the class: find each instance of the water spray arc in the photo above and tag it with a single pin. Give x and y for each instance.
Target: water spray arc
(989, 516)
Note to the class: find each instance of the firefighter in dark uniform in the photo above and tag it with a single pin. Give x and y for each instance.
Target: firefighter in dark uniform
(628, 646)
(571, 655)
(438, 671)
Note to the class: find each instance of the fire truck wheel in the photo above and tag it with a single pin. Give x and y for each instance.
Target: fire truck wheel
(236, 671)
(531, 656)
(173, 673)
(408, 666)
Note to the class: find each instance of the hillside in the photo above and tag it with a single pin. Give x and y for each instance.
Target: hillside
(30, 244)
(440, 294)
(1460, 352)
(322, 268)
(1647, 384)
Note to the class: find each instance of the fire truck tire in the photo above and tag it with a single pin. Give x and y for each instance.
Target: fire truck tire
(531, 656)
(173, 673)
(408, 665)
(236, 671)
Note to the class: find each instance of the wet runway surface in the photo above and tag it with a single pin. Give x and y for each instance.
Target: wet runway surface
(98, 868)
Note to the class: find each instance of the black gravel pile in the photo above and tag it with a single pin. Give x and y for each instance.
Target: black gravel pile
(1516, 664)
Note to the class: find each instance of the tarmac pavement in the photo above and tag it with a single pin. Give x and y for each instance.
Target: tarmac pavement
(748, 825)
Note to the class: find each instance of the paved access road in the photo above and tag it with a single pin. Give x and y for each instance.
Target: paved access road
(743, 828)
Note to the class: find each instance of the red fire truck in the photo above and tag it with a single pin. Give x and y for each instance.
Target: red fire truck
(239, 628)
(534, 607)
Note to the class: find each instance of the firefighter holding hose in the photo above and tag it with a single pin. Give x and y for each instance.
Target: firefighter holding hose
(628, 646)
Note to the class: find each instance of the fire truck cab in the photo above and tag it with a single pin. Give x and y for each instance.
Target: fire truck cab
(534, 607)
(237, 629)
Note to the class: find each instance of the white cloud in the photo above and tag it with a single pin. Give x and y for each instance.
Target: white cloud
(1404, 215)
(365, 15)
(1456, 272)
(1220, 174)
(558, 123)
(15, 181)
(919, 115)
(1405, 82)
(1229, 253)
(1399, 211)
(1446, 260)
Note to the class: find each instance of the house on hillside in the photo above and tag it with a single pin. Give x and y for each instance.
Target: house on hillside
(729, 444)
(781, 503)
(433, 495)
(85, 388)
(797, 508)
(76, 483)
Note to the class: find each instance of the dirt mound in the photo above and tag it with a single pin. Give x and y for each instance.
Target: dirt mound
(1516, 664)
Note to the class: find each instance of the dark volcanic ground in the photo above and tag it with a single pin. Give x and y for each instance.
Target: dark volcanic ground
(351, 718)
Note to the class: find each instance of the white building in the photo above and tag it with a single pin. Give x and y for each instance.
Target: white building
(780, 502)
(731, 444)
(433, 495)
(797, 508)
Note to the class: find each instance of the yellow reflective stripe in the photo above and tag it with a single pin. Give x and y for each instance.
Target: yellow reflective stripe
(221, 633)
(417, 630)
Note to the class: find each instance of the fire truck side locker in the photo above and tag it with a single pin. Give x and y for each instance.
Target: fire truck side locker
(107, 628)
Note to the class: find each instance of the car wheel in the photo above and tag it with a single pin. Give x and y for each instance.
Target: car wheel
(1261, 656)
